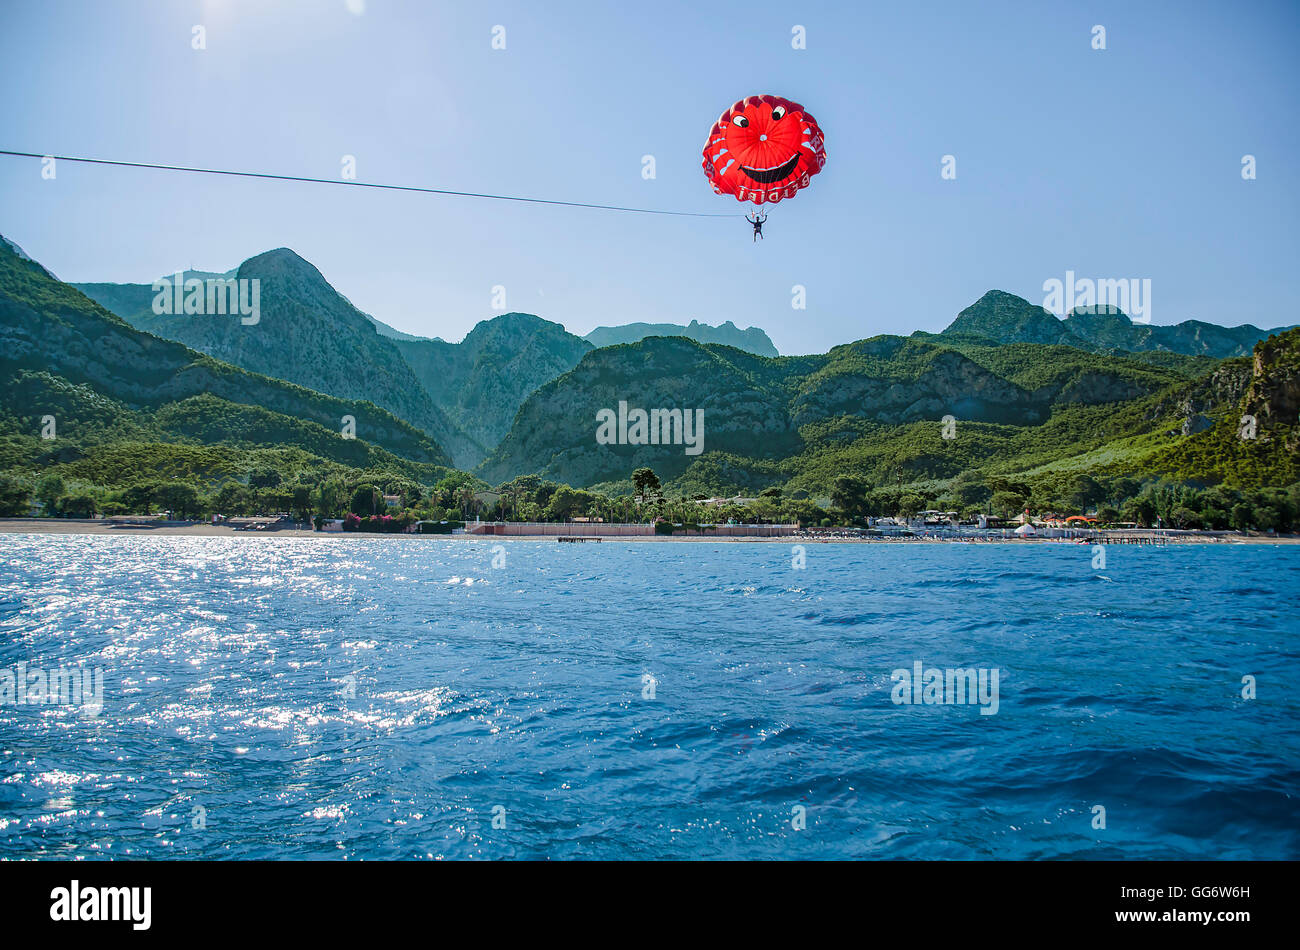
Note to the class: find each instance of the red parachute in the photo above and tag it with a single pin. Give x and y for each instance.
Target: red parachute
(763, 149)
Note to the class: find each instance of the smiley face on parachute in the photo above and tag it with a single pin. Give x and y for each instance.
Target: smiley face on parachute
(763, 149)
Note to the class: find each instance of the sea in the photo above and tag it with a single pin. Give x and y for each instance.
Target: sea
(418, 698)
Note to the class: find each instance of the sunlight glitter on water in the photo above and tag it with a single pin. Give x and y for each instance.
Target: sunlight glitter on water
(374, 697)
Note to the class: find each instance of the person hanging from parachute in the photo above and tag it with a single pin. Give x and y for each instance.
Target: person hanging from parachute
(762, 150)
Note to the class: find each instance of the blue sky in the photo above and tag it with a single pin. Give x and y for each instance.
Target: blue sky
(1122, 163)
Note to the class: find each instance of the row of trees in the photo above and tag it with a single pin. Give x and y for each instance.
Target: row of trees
(1112, 500)
(1218, 508)
(853, 500)
(261, 492)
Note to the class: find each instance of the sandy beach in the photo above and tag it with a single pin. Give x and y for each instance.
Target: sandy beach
(208, 530)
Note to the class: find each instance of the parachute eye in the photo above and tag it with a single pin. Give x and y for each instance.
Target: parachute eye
(740, 120)
(778, 112)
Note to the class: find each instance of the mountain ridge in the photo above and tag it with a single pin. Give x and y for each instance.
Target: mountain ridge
(131, 405)
(464, 394)
(521, 391)
(308, 334)
(773, 408)
(752, 339)
(1006, 318)
(484, 379)
(60, 347)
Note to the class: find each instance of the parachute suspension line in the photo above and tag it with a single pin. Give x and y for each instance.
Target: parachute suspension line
(364, 184)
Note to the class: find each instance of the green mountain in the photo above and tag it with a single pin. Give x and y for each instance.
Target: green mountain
(128, 405)
(134, 302)
(1000, 317)
(873, 409)
(393, 334)
(1273, 395)
(1107, 329)
(308, 334)
(482, 381)
(464, 394)
(752, 339)
(1037, 404)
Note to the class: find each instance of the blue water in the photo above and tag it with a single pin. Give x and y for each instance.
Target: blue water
(227, 664)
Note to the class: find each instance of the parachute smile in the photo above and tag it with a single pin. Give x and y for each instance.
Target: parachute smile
(766, 176)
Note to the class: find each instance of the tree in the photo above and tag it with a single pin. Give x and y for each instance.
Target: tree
(263, 478)
(48, 490)
(515, 494)
(567, 503)
(998, 483)
(330, 497)
(1140, 510)
(138, 498)
(1216, 518)
(13, 497)
(447, 486)
(274, 500)
(365, 500)
(1124, 488)
(408, 488)
(465, 499)
(644, 480)
(1267, 518)
(1004, 503)
(79, 505)
(883, 501)
(849, 495)
(1084, 491)
(301, 501)
(231, 498)
(910, 503)
(969, 490)
(180, 498)
(543, 492)
(1107, 514)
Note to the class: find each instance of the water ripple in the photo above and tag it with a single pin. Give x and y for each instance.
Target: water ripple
(402, 698)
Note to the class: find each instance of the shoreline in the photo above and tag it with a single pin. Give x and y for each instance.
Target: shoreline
(72, 526)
